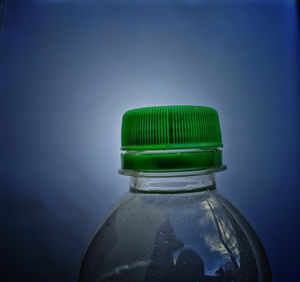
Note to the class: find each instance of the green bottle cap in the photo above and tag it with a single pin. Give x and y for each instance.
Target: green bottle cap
(171, 138)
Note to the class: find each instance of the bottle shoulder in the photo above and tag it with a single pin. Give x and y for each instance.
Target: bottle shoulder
(202, 227)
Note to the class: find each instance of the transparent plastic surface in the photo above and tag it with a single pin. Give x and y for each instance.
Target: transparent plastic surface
(189, 236)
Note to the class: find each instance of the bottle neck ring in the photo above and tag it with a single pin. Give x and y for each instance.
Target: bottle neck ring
(173, 182)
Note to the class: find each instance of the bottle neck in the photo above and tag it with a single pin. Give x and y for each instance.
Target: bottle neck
(171, 183)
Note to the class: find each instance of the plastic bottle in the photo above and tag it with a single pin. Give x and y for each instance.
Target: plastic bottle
(173, 225)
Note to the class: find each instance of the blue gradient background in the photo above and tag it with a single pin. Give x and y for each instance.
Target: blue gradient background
(70, 69)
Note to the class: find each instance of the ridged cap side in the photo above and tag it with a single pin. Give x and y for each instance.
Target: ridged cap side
(171, 127)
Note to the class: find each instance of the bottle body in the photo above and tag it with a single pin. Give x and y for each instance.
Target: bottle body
(187, 232)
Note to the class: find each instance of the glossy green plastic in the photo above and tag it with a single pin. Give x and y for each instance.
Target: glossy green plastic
(167, 138)
(177, 161)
